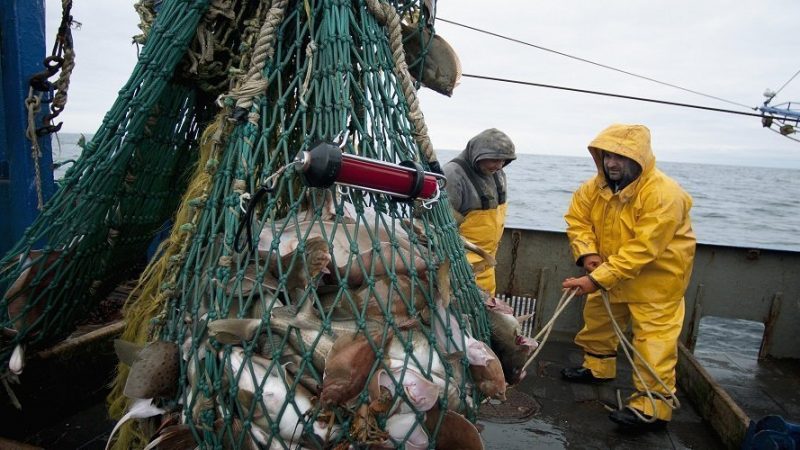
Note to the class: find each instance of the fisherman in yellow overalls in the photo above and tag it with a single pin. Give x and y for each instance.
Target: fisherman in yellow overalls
(476, 187)
(629, 228)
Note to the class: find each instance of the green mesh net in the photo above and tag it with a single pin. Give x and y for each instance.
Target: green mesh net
(344, 317)
(111, 202)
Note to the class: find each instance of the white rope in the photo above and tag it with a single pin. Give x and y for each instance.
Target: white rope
(33, 105)
(627, 347)
(244, 199)
(311, 48)
(672, 401)
(254, 82)
(562, 305)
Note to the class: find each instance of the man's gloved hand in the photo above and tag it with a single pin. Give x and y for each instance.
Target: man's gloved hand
(591, 262)
(584, 284)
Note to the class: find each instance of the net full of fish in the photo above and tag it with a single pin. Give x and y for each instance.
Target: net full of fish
(327, 337)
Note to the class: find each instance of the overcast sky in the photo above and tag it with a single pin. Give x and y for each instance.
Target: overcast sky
(729, 49)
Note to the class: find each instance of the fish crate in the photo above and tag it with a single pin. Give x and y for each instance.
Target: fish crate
(522, 306)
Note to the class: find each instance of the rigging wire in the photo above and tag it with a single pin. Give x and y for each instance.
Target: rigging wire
(787, 82)
(440, 19)
(628, 97)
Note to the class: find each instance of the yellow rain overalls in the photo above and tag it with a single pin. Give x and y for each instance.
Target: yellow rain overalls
(644, 236)
(480, 197)
(484, 228)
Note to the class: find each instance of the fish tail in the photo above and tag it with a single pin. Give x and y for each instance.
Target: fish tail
(304, 318)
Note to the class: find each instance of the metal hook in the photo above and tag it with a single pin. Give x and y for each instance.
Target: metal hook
(428, 204)
(245, 197)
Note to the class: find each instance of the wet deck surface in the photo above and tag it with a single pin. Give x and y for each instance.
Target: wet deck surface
(759, 388)
(573, 416)
(567, 415)
(728, 350)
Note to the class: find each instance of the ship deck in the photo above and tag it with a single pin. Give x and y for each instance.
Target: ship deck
(542, 412)
(559, 415)
(574, 416)
(728, 350)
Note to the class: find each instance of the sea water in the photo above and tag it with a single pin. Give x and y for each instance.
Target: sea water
(737, 206)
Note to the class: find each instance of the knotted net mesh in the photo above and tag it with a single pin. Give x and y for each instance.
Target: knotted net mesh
(321, 317)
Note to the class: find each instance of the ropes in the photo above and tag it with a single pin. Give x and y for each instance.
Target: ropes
(254, 82)
(62, 59)
(544, 333)
(33, 106)
(348, 323)
(628, 97)
(111, 201)
(331, 70)
(386, 15)
(627, 348)
(595, 63)
(62, 49)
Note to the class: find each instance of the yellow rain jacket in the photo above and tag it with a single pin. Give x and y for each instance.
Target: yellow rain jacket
(480, 199)
(643, 233)
(644, 236)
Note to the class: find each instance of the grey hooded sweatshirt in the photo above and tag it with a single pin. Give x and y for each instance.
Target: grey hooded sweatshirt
(475, 190)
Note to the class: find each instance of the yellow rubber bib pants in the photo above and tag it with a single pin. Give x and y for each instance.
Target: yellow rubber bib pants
(484, 228)
(656, 328)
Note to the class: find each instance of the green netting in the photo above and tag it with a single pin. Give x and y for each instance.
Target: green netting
(126, 183)
(336, 330)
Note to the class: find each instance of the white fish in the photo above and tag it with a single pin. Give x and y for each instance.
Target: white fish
(420, 392)
(352, 245)
(274, 383)
(17, 361)
(404, 427)
(424, 359)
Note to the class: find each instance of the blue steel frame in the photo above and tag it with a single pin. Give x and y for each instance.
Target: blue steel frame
(22, 51)
(785, 113)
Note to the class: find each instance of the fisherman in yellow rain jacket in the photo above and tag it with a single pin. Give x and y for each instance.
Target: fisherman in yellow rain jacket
(476, 187)
(629, 228)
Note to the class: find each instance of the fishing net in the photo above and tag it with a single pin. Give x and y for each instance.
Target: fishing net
(111, 202)
(276, 314)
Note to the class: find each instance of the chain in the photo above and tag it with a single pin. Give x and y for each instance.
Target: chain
(43, 91)
(62, 58)
(515, 236)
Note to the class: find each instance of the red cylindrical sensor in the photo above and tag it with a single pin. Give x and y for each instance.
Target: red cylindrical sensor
(325, 164)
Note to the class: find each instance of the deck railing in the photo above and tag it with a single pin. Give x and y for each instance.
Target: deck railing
(732, 282)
